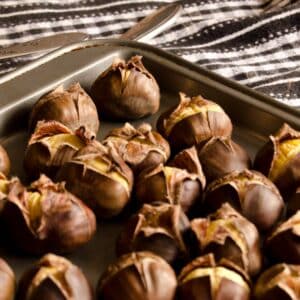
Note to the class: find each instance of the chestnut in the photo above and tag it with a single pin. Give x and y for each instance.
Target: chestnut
(98, 175)
(221, 155)
(138, 276)
(4, 183)
(7, 281)
(141, 147)
(126, 91)
(205, 279)
(293, 204)
(251, 193)
(227, 235)
(193, 121)
(171, 185)
(52, 278)
(4, 162)
(72, 107)
(283, 244)
(157, 228)
(50, 146)
(46, 217)
(281, 281)
(279, 160)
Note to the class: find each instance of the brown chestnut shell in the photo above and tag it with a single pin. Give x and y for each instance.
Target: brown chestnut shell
(157, 228)
(126, 91)
(251, 193)
(100, 177)
(138, 276)
(141, 148)
(4, 162)
(46, 217)
(228, 235)
(293, 204)
(54, 277)
(7, 281)
(193, 121)
(220, 156)
(205, 279)
(72, 107)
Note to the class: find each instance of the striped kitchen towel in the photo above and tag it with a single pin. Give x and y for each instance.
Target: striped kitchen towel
(256, 42)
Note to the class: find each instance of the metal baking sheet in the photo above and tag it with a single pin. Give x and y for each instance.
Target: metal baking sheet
(254, 115)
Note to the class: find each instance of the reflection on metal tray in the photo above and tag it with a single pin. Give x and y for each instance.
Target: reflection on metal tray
(254, 115)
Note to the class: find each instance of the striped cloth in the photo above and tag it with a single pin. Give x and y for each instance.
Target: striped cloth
(256, 42)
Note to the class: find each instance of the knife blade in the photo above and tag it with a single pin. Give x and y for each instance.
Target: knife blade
(148, 27)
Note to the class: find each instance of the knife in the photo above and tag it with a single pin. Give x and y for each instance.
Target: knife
(148, 27)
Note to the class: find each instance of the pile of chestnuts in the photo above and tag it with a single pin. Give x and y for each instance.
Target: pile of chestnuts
(202, 220)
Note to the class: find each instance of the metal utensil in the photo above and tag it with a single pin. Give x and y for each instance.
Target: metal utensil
(148, 27)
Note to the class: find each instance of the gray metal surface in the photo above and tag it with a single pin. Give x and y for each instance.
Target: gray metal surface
(254, 115)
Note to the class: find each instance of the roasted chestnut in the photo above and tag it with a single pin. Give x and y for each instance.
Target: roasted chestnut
(141, 147)
(46, 217)
(4, 162)
(4, 183)
(283, 244)
(173, 185)
(98, 175)
(220, 156)
(293, 204)
(193, 121)
(227, 235)
(206, 279)
(159, 229)
(7, 281)
(251, 193)
(126, 91)
(72, 107)
(138, 276)
(54, 278)
(281, 281)
(51, 145)
(279, 159)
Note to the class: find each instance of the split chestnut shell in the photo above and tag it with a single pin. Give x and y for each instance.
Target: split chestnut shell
(7, 281)
(126, 91)
(138, 276)
(46, 217)
(72, 107)
(193, 121)
(54, 277)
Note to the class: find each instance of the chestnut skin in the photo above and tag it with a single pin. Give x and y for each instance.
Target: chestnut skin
(72, 107)
(251, 193)
(220, 156)
(205, 279)
(193, 121)
(54, 278)
(280, 281)
(7, 281)
(158, 228)
(126, 91)
(138, 276)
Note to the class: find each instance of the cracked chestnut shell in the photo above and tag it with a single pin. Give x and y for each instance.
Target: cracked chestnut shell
(50, 146)
(54, 278)
(4, 162)
(251, 193)
(182, 185)
(138, 276)
(46, 217)
(205, 279)
(126, 91)
(227, 235)
(7, 281)
(72, 107)
(159, 229)
(220, 156)
(281, 281)
(283, 244)
(141, 147)
(279, 159)
(98, 175)
(193, 121)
